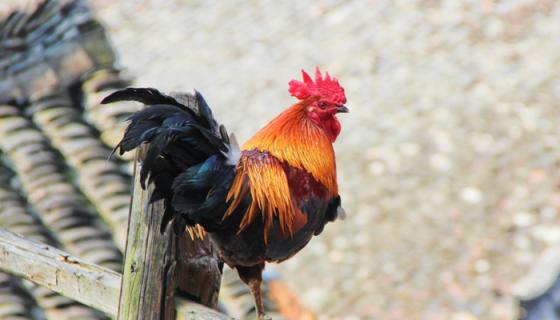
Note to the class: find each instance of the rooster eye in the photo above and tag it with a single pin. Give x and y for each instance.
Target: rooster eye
(322, 105)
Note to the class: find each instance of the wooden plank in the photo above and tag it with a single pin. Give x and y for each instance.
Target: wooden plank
(75, 278)
(82, 281)
(188, 310)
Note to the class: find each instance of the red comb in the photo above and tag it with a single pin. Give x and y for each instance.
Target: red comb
(327, 88)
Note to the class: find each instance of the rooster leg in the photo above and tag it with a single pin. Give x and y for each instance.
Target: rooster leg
(255, 286)
(252, 276)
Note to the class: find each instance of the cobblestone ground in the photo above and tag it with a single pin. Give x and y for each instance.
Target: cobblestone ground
(448, 161)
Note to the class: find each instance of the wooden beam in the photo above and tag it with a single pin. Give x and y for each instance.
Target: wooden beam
(82, 281)
(188, 310)
(75, 278)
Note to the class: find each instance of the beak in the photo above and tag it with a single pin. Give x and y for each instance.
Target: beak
(342, 109)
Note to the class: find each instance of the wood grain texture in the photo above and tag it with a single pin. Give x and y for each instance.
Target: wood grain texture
(146, 261)
(188, 310)
(72, 277)
(82, 281)
(161, 265)
(199, 271)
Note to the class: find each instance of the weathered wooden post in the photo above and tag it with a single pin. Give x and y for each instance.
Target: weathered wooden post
(160, 267)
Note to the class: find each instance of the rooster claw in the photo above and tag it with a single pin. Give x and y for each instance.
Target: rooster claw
(263, 316)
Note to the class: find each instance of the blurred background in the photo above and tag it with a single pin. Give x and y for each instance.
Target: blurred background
(448, 160)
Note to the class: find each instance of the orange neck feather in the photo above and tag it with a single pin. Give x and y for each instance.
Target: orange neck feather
(294, 138)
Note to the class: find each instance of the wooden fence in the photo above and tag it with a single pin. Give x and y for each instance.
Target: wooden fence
(155, 279)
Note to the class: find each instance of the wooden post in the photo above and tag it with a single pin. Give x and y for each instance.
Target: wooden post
(157, 265)
(147, 262)
(199, 271)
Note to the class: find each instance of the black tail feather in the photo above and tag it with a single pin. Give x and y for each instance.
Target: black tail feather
(205, 111)
(147, 96)
(178, 140)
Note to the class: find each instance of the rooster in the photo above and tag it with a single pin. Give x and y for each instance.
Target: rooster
(259, 203)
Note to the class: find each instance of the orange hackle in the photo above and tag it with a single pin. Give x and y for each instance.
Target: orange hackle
(196, 232)
(291, 138)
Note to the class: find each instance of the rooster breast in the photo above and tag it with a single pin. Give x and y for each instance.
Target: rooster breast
(278, 208)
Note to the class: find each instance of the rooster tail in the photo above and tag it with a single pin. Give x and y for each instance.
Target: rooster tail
(187, 156)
